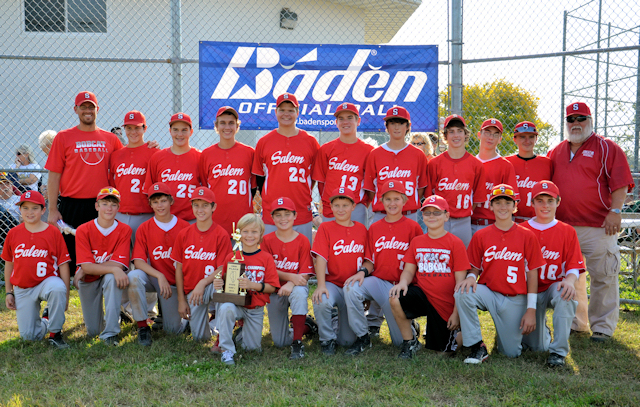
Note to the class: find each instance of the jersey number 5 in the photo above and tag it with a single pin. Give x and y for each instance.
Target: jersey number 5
(512, 274)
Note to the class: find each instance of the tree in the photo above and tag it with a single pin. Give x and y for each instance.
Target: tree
(505, 101)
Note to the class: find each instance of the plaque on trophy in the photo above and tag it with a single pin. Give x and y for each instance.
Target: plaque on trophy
(235, 269)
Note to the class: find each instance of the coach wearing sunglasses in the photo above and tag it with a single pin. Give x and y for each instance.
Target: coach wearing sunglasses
(593, 176)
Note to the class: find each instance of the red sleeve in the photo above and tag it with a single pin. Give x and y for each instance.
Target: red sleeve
(321, 242)
(177, 251)
(618, 168)
(83, 247)
(480, 186)
(56, 161)
(320, 166)
(532, 252)
(140, 246)
(474, 252)
(410, 255)
(270, 272)
(203, 173)
(110, 175)
(151, 174)
(431, 178)
(224, 247)
(417, 230)
(257, 160)
(61, 247)
(460, 259)
(7, 249)
(122, 251)
(370, 174)
(422, 172)
(306, 263)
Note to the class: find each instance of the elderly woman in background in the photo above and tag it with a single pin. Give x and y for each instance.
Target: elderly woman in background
(26, 161)
(45, 140)
(422, 141)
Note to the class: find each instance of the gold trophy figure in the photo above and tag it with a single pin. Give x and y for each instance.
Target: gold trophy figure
(235, 270)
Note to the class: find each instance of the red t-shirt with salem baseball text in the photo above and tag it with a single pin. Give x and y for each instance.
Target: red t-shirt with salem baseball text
(35, 256)
(154, 245)
(529, 171)
(286, 164)
(98, 245)
(127, 173)
(437, 261)
(587, 179)
(290, 257)
(460, 181)
(496, 171)
(409, 165)
(200, 253)
(82, 157)
(504, 258)
(259, 268)
(387, 244)
(341, 165)
(180, 173)
(227, 172)
(343, 249)
(560, 249)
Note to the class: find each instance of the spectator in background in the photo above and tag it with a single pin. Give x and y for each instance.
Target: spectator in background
(26, 160)
(423, 142)
(118, 132)
(45, 139)
(8, 198)
(433, 137)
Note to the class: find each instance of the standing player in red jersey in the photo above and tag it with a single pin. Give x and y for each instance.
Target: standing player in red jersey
(497, 170)
(398, 160)
(177, 166)
(341, 163)
(154, 270)
(260, 280)
(291, 252)
(529, 167)
(199, 251)
(103, 247)
(36, 269)
(339, 252)
(283, 162)
(387, 241)
(226, 168)
(436, 261)
(458, 177)
(556, 284)
(507, 257)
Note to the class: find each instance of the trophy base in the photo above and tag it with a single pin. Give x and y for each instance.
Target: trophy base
(237, 299)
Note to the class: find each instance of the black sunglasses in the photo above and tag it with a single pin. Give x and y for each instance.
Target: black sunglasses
(572, 119)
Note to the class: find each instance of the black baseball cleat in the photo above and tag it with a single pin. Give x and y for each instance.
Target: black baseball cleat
(361, 344)
(313, 326)
(297, 350)
(555, 360)
(409, 348)
(328, 348)
(45, 313)
(57, 341)
(374, 331)
(144, 336)
(478, 354)
(111, 341)
(599, 337)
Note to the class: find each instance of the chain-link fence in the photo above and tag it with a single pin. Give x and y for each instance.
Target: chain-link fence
(511, 60)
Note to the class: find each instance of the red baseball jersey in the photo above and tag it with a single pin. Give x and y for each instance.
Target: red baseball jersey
(529, 171)
(387, 244)
(154, 245)
(341, 165)
(259, 268)
(290, 257)
(180, 173)
(496, 171)
(82, 157)
(409, 166)
(587, 179)
(200, 253)
(504, 258)
(227, 172)
(343, 249)
(460, 181)
(560, 249)
(127, 173)
(94, 247)
(436, 261)
(286, 164)
(35, 256)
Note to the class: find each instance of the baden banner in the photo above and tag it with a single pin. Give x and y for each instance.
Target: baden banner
(249, 77)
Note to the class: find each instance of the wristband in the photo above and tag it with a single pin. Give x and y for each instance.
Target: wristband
(471, 275)
(262, 289)
(532, 301)
(10, 292)
(364, 270)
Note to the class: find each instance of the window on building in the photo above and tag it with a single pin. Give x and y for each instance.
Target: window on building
(60, 16)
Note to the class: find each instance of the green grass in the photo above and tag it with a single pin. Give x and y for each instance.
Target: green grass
(177, 371)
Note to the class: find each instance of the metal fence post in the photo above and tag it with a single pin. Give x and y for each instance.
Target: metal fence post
(564, 73)
(456, 56)
(637, 119)
(176, 58)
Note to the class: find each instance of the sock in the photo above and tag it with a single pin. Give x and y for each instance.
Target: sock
(52, 334)
(299, 328)
(142, 324)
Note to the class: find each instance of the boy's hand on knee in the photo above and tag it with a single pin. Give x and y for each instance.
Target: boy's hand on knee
(398, 290)
(165, 288)
(122, 281)
(528, 322)
(317, 294)
(286, 289)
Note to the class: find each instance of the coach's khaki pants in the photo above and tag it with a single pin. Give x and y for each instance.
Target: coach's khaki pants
(602, 259)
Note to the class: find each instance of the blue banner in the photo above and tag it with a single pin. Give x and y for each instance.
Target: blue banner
(249, 77)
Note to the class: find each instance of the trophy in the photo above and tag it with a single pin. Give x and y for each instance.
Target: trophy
(235, 269)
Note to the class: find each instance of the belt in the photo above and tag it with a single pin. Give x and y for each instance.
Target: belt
(520, 219)
(482, 222)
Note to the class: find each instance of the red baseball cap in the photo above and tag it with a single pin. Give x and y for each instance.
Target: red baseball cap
(350, 107)
(203, 193)
(525, 127)
(227, 109)
(134, 118)
(393, 185)
(454, 117)
(283, 203)
(503, 190)
(491, 123)
(159, 188)
(578, 108)
(86, 96)
(398, 112)
(435, 201)
(545, 188)
(287, 97)
(32, 196)
(180, 117)
(342, 193)
(108, 191)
